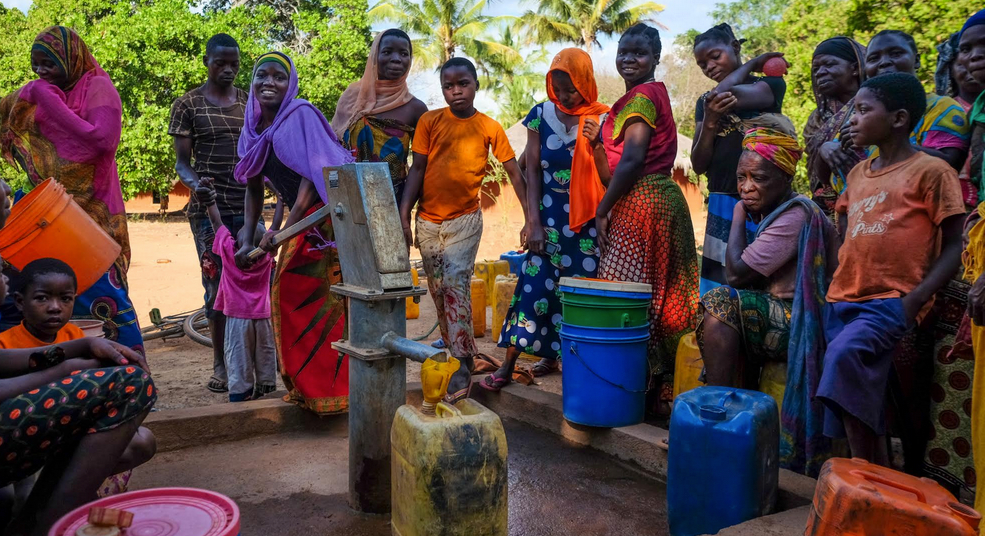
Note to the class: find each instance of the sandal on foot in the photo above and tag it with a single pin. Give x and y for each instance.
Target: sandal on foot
(216, 385)
(457, 396)
(493, 383)
(542, 368)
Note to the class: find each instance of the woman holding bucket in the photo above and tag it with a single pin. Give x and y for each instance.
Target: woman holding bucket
(289, 142)
(564, 191)
(642, 221)
(771, 309)
(66, 125)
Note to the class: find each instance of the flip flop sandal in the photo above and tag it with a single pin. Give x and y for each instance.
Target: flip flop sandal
(457, 396)
(217, 385)
(493, 384)
(542, 369)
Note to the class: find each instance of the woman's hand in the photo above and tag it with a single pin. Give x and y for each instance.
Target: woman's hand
(601, 224)
(536, 239)
(836, 157)
(592, 131)
(845, 137)
(716, 106)
(111, 352)
(267, 242)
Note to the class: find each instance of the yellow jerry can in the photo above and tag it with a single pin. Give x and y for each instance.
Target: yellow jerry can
(411, 303)
(449, 471)
(688, 365)
(772, 381)
(478, 306)
(489, 271)
(503, 293)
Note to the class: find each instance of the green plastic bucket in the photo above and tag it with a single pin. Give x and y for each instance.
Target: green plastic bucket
(597, 303)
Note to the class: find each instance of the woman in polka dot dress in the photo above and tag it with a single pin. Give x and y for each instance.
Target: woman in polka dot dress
(564, 189)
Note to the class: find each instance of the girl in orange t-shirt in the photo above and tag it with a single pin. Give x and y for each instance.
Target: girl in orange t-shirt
(449, 163)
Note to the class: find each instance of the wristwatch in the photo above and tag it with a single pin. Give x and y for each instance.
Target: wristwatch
(50, 357)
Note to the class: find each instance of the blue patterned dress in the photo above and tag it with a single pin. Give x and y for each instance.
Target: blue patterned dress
(533, 321)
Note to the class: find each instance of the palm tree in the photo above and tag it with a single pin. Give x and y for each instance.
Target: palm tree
(514, 80)
(442, 28)
(582, 21)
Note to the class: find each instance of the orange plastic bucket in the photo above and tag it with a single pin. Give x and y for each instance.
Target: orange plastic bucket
(49, 223)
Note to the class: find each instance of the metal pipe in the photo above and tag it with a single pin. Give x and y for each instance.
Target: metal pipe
(410, 349)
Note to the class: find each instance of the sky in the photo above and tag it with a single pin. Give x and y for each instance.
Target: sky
(678, 16)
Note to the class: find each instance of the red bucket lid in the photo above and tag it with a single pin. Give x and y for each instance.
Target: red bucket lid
(164, 512)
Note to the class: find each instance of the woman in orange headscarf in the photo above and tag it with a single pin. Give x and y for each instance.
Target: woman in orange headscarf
(564, 188)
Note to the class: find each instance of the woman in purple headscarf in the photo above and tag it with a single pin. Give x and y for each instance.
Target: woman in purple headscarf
(289, 142)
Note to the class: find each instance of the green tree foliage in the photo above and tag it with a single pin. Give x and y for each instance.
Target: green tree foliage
(808, 22)
(582, 22)
(152, 49)
(444, 28)
(753, 20)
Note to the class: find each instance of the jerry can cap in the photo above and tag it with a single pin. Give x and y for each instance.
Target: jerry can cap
(713, 413)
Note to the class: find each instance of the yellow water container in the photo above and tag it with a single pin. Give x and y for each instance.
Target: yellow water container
(489, 272)
(411, 305)
(772, 381)
(504, 290)
(689, 365)
(449, 472)
(479, 306)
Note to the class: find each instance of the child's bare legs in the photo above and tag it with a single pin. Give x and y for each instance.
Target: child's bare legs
(864, 443)
(72, 480)
(511, 357)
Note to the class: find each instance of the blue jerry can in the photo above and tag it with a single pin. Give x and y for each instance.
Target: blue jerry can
(723, 459)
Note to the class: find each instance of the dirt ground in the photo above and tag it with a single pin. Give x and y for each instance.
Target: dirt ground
(164, 274)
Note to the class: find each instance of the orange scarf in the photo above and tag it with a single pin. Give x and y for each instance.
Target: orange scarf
(369, 96)
(586, 190)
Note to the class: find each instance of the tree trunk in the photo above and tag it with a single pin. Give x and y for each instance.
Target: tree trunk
(588, 42)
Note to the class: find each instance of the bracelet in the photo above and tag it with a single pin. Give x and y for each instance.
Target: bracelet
(50, 357)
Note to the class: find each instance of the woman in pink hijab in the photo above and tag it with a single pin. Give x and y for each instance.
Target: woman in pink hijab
(377, 116)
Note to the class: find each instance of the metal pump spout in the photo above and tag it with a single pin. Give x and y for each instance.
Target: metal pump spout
(410, 349)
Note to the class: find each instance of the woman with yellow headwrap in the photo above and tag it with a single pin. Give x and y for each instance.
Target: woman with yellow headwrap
(771, 308)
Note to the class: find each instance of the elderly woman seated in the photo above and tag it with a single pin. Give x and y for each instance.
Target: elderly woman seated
(771, 308)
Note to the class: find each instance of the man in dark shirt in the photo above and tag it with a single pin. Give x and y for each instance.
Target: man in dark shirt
(205, 124)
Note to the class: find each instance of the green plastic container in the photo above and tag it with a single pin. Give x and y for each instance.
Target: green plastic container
(597, 303)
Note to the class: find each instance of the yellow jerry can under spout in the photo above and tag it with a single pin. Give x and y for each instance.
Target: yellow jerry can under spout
(449, 472)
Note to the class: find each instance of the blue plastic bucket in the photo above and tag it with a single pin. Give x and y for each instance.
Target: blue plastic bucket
(605, 375)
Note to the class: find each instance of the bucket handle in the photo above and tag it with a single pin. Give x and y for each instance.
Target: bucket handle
(573, 350)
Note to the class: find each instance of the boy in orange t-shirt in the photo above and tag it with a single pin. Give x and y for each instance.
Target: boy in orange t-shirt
(46, 294)
(449, 162)
(901, 219)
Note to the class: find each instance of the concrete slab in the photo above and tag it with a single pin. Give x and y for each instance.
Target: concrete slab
(296, 483)
(188, 427)
(788, 523)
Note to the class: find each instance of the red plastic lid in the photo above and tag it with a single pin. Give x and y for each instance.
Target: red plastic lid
(164, 512)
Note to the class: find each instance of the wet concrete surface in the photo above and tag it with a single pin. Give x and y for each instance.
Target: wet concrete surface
(297, 484)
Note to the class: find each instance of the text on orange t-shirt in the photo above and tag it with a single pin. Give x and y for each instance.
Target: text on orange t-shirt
(457, 161)
(893, 234)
